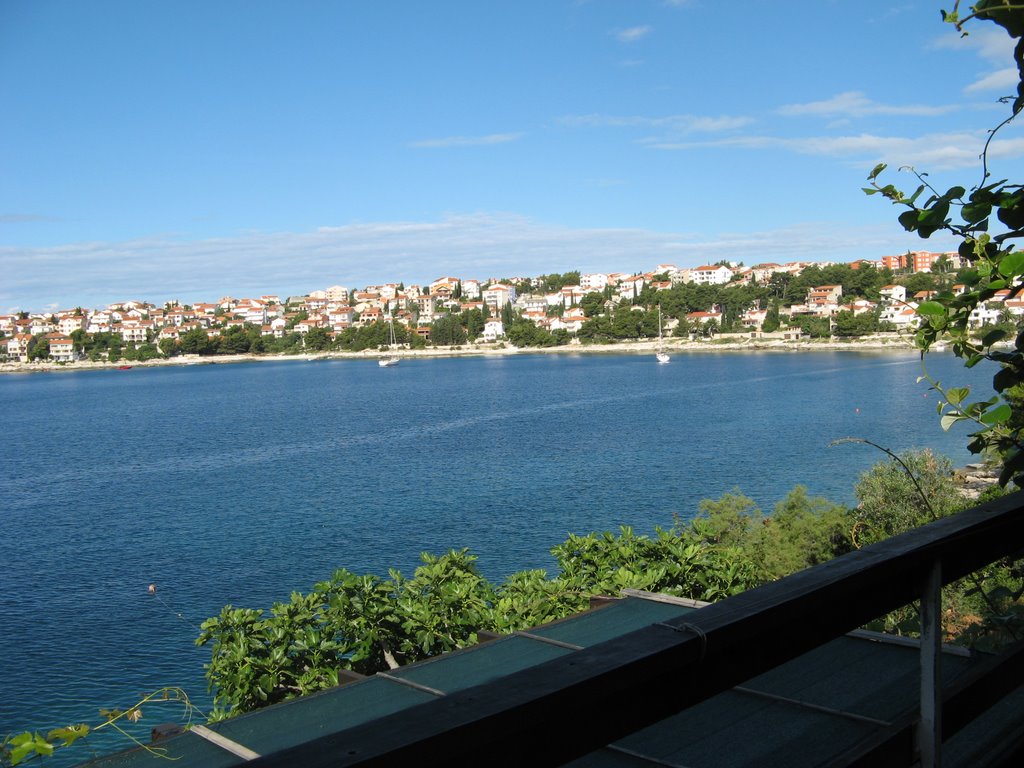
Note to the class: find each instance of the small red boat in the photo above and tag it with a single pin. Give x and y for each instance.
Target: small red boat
(124, 367)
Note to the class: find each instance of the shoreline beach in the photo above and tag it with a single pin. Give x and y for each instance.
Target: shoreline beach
(869, 343)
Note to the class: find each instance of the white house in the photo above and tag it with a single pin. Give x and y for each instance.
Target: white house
(497, 295)
(572, 295)
(493, 329)
(62, 349)
(893, 294)
(630, 287)
(717, 274)
(68, 324)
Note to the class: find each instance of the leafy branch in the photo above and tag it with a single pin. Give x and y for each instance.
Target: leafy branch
(16, 748)
(987, 220)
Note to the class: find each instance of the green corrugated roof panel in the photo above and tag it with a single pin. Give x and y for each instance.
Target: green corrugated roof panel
(299, 720)
(186, 749)
(479, 664)
(853, 676)
(759, 732)
(283, 725)
(610, 621)
(869, 677)
(991, 740)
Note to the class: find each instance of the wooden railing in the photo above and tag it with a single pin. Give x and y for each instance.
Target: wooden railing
(562, 709)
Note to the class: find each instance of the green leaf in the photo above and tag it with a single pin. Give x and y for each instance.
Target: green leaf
(877, 170)
(68, 735)
(909, 220)
(974, 212)
(931, 308)
(1012, 264)
(1004, 379)
(992, 337)
(997, 415)
(956, 395)
(949, 419)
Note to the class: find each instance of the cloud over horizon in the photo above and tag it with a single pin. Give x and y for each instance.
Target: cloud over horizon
(632, 34)
(856, 104)
(466, 141)
(472, 245)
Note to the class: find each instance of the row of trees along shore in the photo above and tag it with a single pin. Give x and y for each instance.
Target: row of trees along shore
(368, 623)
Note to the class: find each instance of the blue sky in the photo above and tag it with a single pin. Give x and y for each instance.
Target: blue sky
(190, 150)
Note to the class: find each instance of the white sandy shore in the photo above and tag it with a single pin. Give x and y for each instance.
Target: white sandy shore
(727, 344)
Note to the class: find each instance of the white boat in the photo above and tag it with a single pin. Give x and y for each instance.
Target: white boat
(391, 359)
(661, 355)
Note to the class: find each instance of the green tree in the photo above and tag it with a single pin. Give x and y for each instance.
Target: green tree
(815, 327)
(909, 491)
(473, 321)
(626, 322)
(849, 324)
(447, 331)
(317, 339)
(592, 304)
(804, 531)
(772, 321)
(197, 342)
(38, 347)
(232, 341)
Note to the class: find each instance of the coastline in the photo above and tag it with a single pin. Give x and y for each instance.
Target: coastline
(879, 342)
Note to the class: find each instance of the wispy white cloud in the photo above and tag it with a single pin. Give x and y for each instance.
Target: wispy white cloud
(476, 245)
(856, 104)
(632, 34)
(992, 45)
(24, 218)
(466, 141)
(676, 124)
(1002, 80)
(933, 152)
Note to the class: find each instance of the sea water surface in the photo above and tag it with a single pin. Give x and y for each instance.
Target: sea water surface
(238, 484)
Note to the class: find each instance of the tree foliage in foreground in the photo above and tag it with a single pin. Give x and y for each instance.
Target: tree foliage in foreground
(367, 623)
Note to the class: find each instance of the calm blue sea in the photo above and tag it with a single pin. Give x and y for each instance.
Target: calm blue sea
(241, 483)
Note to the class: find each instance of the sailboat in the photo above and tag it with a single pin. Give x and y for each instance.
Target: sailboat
(392, 358)
(661, 355)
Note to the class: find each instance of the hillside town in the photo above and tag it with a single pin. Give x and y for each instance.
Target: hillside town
(769, 300)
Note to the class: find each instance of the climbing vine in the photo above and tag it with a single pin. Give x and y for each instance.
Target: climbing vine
(986, 219)
(19, 747)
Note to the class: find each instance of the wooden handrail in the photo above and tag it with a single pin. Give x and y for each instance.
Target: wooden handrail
(562, 709)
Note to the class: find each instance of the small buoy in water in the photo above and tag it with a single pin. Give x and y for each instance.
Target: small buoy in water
(152, 589)
(856, 410)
